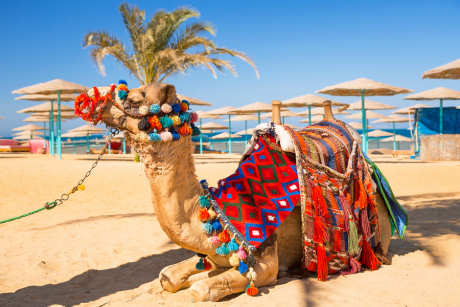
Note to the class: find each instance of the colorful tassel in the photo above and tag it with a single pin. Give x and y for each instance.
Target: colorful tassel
(200, 264)
(204, 202)
(176, 108)
(214, 240)
(193, 117)
(322, 266)
(337, 240)
(224, 236)
(155, 123)
(243, 267)
(232, 246)
(176, 120)
(207, 227)
(216, 226)
(144, 124)
(166, 121)
(368, 258)
(166, 136)
(242, 254)
(365, 227)
(353, 267)
(184, 117)
(121, 81)
(154, 136)
(352, 237)
(207, 264)
(212, 214)
(320, 234)
(185, 130)
(183, 106)
(122, 94)
(166, 108)
(251, 289)
(154, 108)
(204, 215)
(222, 250)
(175, 135)
(234, 260)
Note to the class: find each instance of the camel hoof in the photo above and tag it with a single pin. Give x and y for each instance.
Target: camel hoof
(200, 292)
(166, 280)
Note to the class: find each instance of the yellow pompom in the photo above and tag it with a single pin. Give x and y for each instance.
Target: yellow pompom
(212, 213)
(176, 120)
(234, 260)
(81, 187)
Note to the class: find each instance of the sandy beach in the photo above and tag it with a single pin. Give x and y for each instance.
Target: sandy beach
(104, 246)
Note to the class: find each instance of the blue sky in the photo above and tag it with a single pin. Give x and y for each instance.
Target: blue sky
(298, 46)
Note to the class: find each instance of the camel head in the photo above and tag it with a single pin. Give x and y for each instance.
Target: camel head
(150, 113)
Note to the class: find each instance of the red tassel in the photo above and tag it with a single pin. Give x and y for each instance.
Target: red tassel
(365, 227)
(322, 266)
(320, 234)
(207, 265)
(337, 240)
(368, 258)
(353, 267)
(320, 203)
(251, 289)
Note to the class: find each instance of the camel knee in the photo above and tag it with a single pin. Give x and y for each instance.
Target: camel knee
(174, 277)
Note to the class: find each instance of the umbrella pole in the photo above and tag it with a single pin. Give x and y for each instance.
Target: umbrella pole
(110, 143)
(87, 142)
(394, 136)
(258, 117)
(441, 124)
(364, 122)
(283, 119)
(201, 137)
(309, 115)
(229, 134)
(52, 129)
(59, 143)
(124, 145)
(246, 131)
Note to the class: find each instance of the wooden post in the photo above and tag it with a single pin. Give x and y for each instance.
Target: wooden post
(276, 112)
(328, 115)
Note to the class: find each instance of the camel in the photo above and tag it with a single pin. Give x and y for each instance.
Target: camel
(175, 190)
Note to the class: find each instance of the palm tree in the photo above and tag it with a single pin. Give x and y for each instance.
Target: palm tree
(161, 47)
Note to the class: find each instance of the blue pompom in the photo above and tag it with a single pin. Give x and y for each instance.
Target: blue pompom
(216, 226)
(122, 94)
(184, 117)
(222, 250)
(154, 136)
(232, 246)
(123, 82)
(175, 135)
(176, 108)
(166, 121)
(243, 267)
(204, 202)
(154, 108)
(207, 227)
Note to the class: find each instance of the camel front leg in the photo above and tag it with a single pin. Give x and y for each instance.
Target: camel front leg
(174, 277)
(231, 281)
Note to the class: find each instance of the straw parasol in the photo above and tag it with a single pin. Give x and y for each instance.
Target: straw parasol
(50, 97)
(57, 87)
(44, 108)
(249, 131)
(439, 93)
(393, 119)
(27, 134)
(254, 108)
(411, 109)
(194, 101)
(308, 101)
(213, 126)
(363, 87)
(86, 130)
(369, 115)
(448, 71)
(29, 127)
(379, 133)
(396, 139)
(314, 119)
(225, 135)
(358, 125)
(370, 105)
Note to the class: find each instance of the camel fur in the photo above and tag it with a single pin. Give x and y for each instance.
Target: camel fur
(175, 189)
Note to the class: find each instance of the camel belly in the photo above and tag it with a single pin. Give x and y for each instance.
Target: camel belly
(289, 237)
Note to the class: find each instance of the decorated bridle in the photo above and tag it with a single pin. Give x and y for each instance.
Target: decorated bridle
(165, 122)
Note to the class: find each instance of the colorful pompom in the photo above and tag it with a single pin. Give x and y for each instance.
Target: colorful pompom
(154, 108)
(216, 226)
(122, 82)
(193, 117)
(143, 110)
(251, 289)
(184, 105)
(232, 246)
(166, 136)
(204, 215)
(204, 201)
(166, 122)
(175, 135)
(207, 227)
(195, 130)
(207, 265)
(185, 130)
(122, 94)
(144, 124)
(200, 264)
(212, 214)
(242, 254)
(243, 267)
(214, 240)
(176, 108)
(234, 260)
(166, 108)
(154, 136)
(222, 250)
(224, 236)
(184, 117)
(176, 120)
(123, 87)
(155, 123)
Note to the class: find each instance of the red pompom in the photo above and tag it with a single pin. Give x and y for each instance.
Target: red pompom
(224, 236)
(252, 290)
(204, 215)
(155, 123)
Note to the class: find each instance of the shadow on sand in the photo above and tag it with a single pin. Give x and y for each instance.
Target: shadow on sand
(94, 284)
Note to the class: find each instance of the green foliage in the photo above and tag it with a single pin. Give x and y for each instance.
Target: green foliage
(162, 46)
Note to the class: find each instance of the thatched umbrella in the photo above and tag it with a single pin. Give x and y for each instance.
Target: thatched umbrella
(439, 93)
(56, 87)
(448, 71)
(363, 87)
(397, 138)
(370, 105)
(245, 118)
(378, 134)
(44, 108)
(308, 101)
(254, 108)
(393, 119)
(369, 115)
(28, 134)
(283, 114)
(225, 135)
(311, 120)
(194, 101)
(29, 127)
(246, 132)
(228, 112)
(411, 109)
(358, 125)
(87, 130)
(202, 115)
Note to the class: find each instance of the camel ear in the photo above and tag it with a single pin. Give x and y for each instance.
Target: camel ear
(168, 93)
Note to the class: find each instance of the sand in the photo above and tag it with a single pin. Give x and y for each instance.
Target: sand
(104, 246)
